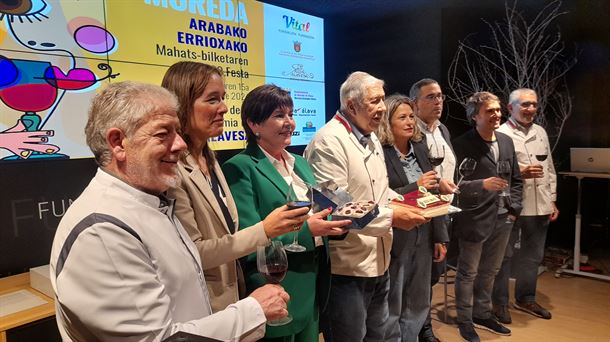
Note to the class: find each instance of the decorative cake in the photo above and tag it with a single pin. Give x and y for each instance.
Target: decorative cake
(430, 205)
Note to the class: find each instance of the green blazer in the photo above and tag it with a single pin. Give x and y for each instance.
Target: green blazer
(258, 188)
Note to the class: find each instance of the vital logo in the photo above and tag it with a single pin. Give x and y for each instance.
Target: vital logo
(309, 127)
(295, 25)
(296, 45)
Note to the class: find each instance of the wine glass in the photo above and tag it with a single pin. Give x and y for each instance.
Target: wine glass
(299, 196)
(466, 168)
(504, 173)
(436, 157)
(542, 154)
(272, 263)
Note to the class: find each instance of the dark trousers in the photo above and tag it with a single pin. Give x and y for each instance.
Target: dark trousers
(478, 264)
(357, 308)
(408, 301)
(533, 237)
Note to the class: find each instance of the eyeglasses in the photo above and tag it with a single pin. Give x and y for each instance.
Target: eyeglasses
(529, 104)
(435, 97)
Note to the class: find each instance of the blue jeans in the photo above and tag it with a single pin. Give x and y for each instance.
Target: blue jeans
(409, 298)
(478, 264)
(357, 308)
(533, 238)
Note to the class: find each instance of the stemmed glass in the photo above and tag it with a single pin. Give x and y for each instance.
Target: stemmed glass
(466, 168)
(436, 157)
(542, 154)
(299, 196)
(504, 173)
(272, 263)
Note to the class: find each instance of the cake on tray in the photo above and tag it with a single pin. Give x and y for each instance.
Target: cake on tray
(428, 204)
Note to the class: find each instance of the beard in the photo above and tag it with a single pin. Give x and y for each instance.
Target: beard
(148, 176)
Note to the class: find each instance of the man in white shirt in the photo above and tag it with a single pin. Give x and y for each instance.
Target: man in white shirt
(347, 151)
(122, 266)
(539, 195)
(429, 98)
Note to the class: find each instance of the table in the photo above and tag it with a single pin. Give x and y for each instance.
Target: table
(576, 268)
(22, 282)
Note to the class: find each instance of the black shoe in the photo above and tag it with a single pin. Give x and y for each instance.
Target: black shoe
(533, 308)
(429, 339)
(492, 325)
(468, 334)
(502, 314)
(426, 334)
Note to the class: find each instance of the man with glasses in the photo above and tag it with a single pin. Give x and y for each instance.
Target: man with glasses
(428, 98)
(539, 195)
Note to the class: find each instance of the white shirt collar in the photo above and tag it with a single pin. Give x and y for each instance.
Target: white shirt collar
(424, 126)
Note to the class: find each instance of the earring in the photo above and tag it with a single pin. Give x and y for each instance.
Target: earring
(258, 135)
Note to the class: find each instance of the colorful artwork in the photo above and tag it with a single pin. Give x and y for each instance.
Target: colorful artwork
(40, 65)
(55, 54)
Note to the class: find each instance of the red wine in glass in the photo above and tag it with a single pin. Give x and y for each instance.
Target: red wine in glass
(275, 273)
(436, 161)
(541, 157)
(504, 171)
(272, 263)
(298, 199)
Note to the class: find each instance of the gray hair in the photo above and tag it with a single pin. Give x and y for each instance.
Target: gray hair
(123, 105)
(354, 86)
(516, 94)
(384, 132)
(416, 87)
(475, 102)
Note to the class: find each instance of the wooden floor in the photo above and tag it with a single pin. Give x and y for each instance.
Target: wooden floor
(580, 308)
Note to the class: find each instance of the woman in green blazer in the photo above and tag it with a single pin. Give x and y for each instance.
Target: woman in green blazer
(259, 180)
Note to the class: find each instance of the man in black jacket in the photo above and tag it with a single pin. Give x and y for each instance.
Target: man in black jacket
(484, 226)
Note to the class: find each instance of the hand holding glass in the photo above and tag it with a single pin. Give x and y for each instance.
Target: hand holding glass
(272, 263)
(299, 196)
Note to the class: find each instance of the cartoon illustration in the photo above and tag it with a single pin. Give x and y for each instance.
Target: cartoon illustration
(42, 43)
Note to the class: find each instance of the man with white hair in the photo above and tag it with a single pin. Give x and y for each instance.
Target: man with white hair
(347, 151)
(539, 195)
(122, 266)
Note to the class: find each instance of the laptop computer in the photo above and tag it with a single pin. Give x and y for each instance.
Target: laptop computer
(587, 159)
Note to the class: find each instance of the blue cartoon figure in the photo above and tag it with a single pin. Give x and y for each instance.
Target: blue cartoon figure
(45, 51)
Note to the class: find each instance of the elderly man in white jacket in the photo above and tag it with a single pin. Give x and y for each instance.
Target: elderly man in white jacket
(539, 195)
(347, 151)
(122, 266)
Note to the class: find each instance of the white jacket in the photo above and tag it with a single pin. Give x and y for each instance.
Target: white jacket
(124, 269)
(335, 154)
(538, 193)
